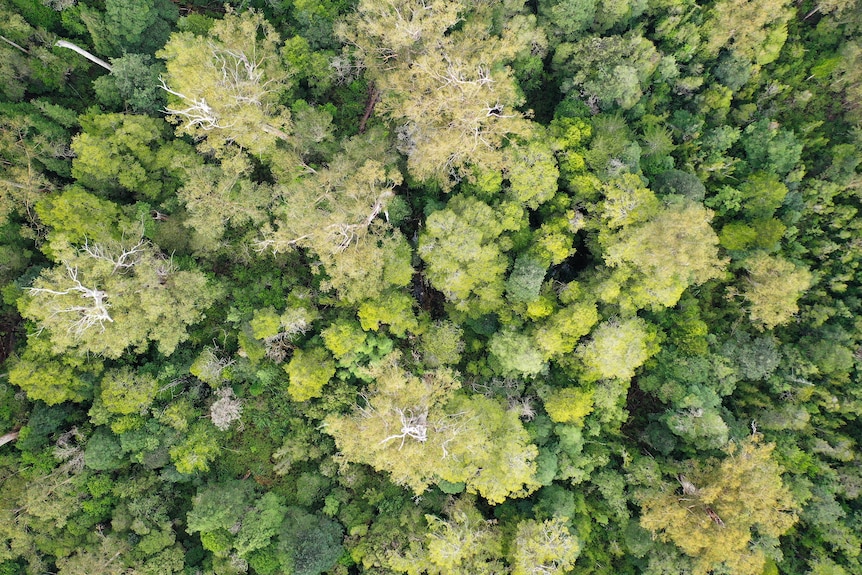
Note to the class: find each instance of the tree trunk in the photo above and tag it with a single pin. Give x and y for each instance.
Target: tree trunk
(85, 54)
(275, 132)
(8, 438)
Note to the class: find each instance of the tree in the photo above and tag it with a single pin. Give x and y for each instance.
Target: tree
(226, 409)
(309, 544)
(676, 248)
(442, 344)
(129, 26)
(133, 84)
(33, 148)
(462, 544)
(126, 153)
(420, 432)
(611, 70)
(772, 287)
(53, 380)
(110, 296)
(221, 196)
(29, 65)
(544, 547)
(569, 404)
(616, 348)
(461, 249)
(227, 87)
(721, 506)
(516, 354)
(752, 30)
(309, 371)
(125, 392)
(447, 87)
(334, 207)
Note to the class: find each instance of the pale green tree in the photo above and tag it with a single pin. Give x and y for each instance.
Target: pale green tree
(463, 255)
(420, 431)
(617, 348)
(463, 543)
(221, 196)
(716, 508)
(227, 87)
(558, 334)
(772, 288)
(543, 547)
(751, 29)
(677, 248)
(442, 76)
(110, 296)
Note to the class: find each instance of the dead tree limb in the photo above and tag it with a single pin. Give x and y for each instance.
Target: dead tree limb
(92, 58)
(8, 438)
(373, 98)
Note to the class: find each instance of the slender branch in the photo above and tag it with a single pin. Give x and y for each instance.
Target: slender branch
(11, 43)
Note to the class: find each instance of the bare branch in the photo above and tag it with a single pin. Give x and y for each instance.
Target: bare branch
(85, 54)
(94, 311)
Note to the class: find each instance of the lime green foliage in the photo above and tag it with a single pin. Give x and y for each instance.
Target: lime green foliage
(129, 154)
(569, 404)
(559, 333)
(392, 308)
(309, 370)
(772, 288)
(197, 450)
(737, 236)
(124, 392)
(464, 258)
(52, 380)
(343, 337)
(77, 217)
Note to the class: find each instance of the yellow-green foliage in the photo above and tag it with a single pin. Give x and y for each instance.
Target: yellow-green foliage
(569, 405)
(718, 506)
(309, 370)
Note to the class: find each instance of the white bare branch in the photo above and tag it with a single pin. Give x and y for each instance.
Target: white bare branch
(414, 424)
(93, 312)
(127, 258)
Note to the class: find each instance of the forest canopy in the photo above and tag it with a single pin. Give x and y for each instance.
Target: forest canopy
(430, 287)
